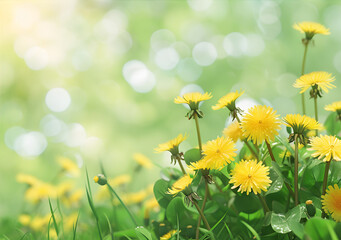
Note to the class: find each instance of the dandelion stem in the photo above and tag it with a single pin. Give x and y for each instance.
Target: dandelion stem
(325, 181)
(198, 131)
(296, 170)
(202, 209)
(201, 214)
(247, 144)
(122, 203)
(181, 166)
(270, 151)
(264, 204)
(306, 43)
(316, 114)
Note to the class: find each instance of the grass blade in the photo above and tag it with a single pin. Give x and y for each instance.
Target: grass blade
(74, 227)
(252, 230)
(53, 218)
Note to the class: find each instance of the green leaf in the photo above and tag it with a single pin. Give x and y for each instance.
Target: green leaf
(279, 223)
(175, 209)
(160, 189)
(192, 155)
(332, 125)
(317, 228)
(247, 203)
(143, 234)
(276, 178)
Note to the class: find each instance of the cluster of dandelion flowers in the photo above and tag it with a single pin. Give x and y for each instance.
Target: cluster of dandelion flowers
(228, 101)
(311, 28)
(301, 123)
(234, 131)
(193, 99)
(182, 184)
(326, 148)
(260, 124)
(250, 176)
(172, 145)
(331, 202)
(217, 153)
(319, 80)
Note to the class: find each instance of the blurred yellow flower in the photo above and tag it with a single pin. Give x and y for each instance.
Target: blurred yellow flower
(70, 221)
(300, 123)
(234, 131)
(168, 235)
(192, 98)
(142, 160)
(321, 79)
(120, 180)
(334, 107)
(250, 176)
(134, 198)
(40, 223)
(28, 179)
(228, 101)
(69, 166)
(217, 153)
(260, 124)
(40, 191)
(180, 185)
(326, 148)
(24, 219)
(172, 145)
(311, 28)
(331, 202)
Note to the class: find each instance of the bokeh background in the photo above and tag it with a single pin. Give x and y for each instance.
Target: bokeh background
(94, 80)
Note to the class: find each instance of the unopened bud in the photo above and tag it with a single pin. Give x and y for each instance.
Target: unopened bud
(100, 179)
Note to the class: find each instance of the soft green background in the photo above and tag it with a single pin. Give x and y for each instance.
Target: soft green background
(87, 47)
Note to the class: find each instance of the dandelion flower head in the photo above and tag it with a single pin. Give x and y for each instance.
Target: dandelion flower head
(217, 153)
(228, 101)
(300, 123)
(180, 185)
(250, 176)
(260, 124)
(334, 107)
(233, 131)
(172, 145)
(326, 148)
(193, 99)
(69, 166)
(322, 79)
(142, 160)
(168, 235)
(311, 28)
(331, 202)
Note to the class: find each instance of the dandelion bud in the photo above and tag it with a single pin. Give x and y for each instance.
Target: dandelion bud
(310, 208)
(100, 179)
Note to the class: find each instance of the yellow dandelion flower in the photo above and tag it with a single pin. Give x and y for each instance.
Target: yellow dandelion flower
(143, 160)
(172, 145)
(40, 191)
(260, 123)
(28, 179)
(334, 107)
(134, 198)
(250, 176)
(168, 235)
(192, 98)
(180, 185)
(311, 28)
(321, 79)
(228, 101)
(217, 153)
(326, 148)
(152, 204)
(234, 131)
(120, 180)
(69, 166)
(24, 219)
(300, 123)
(40, 223)
(331, 202)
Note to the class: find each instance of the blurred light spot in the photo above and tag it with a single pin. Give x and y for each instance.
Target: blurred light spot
(204, 53)
(36, 58)
(218, 41)
(22, 44)
(121, 44)
(188, 70)
(245, 103)
(255, 45)
(332, 18)
(75, 135)
(269, 12)
(51, 126)
(91, 147)
(30, 144)
(166, 58)
(284, 85)
(162, 38)
(140, 78)
(270, 31)
(81, 60)
(113, 23)
(12, 134)
(57, 99)
(195, 33)
(199, 5)
(284, 105)
(235, 44)
(182, 49)
(25, 16)
(337, 61)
